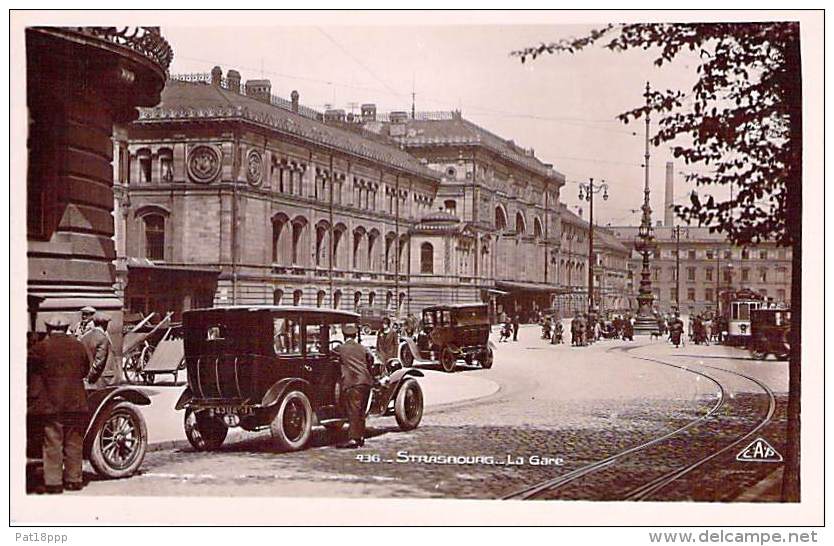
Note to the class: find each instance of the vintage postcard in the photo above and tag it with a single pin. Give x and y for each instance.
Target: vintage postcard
(339, 257)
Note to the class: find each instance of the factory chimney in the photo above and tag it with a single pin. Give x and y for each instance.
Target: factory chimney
(668, 211)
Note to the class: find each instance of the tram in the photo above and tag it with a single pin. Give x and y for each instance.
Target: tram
(736, 307)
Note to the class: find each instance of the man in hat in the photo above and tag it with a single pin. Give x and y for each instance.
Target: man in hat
(357, 380)
(98, 345)
(82, 328)
(56, 368)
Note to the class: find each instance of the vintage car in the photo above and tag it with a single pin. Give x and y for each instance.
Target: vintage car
(770, 333)
(116, 438)
(370, 318)
(277, 368)
(450, 333)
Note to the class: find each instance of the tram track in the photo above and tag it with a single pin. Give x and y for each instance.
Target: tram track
(653, 486)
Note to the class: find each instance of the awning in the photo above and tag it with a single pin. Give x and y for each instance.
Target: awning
(495, 292)
(513, 286)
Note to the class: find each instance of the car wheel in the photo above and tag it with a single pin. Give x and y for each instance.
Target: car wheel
(448, 360)
(132, 368)
(408, 407)
(406, 357)
(486, 358)
(120, 441)
(293, 423)
(204, 433)
(366, 329)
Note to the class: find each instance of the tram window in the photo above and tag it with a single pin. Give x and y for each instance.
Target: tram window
(744, 311)
(735, 311)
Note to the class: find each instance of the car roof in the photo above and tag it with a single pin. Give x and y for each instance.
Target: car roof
(313, 311)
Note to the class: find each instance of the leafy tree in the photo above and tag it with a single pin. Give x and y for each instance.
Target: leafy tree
(742, 121)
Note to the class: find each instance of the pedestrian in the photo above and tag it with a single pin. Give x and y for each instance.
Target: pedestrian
(387, 342)
(98, 344)
(676, 330)
(57, 404)
(628, 329)
(574, 330)
(581, 330)
(86, 324)
(516, 322)
(356, 361)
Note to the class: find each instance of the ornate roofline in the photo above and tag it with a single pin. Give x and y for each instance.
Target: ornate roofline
(284, 125)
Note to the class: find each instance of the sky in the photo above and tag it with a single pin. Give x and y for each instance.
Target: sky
(563, 106)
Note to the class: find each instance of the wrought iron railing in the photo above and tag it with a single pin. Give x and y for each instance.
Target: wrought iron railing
(146, 41)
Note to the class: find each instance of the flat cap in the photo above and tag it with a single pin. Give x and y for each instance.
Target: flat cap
(349, 329)
(56, 323)
(88, 309)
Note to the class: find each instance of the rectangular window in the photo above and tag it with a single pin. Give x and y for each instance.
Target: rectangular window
(728, 276)
(690, 294)
(691, 254)
(763, 254)
(673, 274)
(690, 273)
(708, 273)
(728, 254)
(286, 337)
(745, 274)
(745, 254)
(710, 255)
(708, 294)
(780, 294)
(316, 339)
(673, 294)
(763, 275)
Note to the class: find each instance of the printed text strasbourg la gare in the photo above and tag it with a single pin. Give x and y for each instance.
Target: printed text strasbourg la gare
(510, 460)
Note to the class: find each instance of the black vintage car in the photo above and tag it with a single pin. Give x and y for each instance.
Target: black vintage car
(450, 333)
(275, 367)
(770, 333)
(116, 437)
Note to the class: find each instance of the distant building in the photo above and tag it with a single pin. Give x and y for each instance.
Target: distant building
(709, 265)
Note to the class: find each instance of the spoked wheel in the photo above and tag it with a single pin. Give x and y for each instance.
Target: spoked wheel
(204, 433)
(134, 365)
(293, 423)
(486, 358)
(120, 443)
(448, 360)
(406, 357)
(408, 407)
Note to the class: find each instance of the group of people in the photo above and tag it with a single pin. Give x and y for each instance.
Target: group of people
(586, 328)
(60, 367)
(509, 326)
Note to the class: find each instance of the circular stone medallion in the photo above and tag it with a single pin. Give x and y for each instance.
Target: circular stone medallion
(203, 164)
(254, 167)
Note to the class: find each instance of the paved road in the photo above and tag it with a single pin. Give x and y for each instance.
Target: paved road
(558, 409)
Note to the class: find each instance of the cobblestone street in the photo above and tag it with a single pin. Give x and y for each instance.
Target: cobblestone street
(558, 409)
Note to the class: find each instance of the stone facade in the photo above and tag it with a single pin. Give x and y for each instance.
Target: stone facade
(709, 265)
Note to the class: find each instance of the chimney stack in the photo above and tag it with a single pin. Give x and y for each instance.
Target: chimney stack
(260, 90)
(368, 112)
(216, 76)
(668, 211)
(294, 99)
(233, 80)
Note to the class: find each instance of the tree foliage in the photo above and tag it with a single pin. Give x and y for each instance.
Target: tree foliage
(740, 123)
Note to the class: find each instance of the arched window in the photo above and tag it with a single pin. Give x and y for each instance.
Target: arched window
(371, 299)
(373, 235)
(278, 225)
(143, 157)
(538, 232)
(426, 259)
(321, 245)
(154, 237)
(357, 299)
(358, 234)
(337, 299)
(500, 219)
(296, 297)
(338, 231)
(166, 165)
(520, 224)
(320, 298)
(389, 247)
(389, 299)
(298, 226)
(277, 294)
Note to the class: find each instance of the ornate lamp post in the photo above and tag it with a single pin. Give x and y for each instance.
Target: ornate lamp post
(586, 192)
(645, 322)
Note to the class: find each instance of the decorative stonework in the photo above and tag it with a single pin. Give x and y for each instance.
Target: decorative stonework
(254, 168)
(203, 164)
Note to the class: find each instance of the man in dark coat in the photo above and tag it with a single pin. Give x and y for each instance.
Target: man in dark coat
(356, 383)
(387, 341)
(516, 321)
(97, 343)
(57, 399)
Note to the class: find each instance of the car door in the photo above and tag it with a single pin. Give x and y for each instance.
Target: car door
(321, 366)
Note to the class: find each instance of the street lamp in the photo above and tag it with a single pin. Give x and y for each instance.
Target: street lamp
(678, 265)
(586, 192)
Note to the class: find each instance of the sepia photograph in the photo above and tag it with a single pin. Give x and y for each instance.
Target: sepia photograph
(495, 256)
